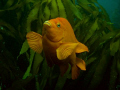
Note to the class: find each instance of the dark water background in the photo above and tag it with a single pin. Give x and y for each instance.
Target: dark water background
(113, 9)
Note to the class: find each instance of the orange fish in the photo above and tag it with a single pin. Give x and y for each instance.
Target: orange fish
(59, 45)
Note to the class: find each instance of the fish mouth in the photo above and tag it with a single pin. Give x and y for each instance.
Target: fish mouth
(47, 23)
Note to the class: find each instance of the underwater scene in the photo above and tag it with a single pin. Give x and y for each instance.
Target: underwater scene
(59, 44)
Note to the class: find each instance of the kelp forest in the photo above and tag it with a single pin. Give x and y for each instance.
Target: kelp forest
(23, 69)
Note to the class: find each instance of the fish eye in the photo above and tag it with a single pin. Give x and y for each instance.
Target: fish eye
(58, 25)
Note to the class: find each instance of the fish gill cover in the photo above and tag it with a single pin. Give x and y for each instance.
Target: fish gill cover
(23, 69)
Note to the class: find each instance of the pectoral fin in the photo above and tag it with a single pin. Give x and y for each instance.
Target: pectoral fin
(65, 50)
(81, 48)
(81, 64)
(35, 41)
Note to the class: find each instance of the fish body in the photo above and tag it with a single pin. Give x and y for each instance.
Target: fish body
(60, 45)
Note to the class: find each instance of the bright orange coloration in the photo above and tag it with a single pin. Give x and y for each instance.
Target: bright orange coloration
(59, 45)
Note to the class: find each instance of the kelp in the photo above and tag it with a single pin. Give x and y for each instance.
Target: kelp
(24, 48)
(27, 73)
(7, 29)
(113, 74)
(103, 63)
(10, 73)
(92, 27)
(91, 30)
(45, 72)
(61, 80)
(32, 16)
(62, 12)
(73, 9)
(90, 72)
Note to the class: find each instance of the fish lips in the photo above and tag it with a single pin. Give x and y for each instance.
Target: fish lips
(47, 23)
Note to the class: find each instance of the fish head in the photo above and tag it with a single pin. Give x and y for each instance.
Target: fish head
(53, 29)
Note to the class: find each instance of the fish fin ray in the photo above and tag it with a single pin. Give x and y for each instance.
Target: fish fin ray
(65, 50)
(81, 64)
(81, 48)
(35, 41)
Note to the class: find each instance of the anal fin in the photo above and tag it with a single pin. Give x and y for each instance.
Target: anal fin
(75, 72)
